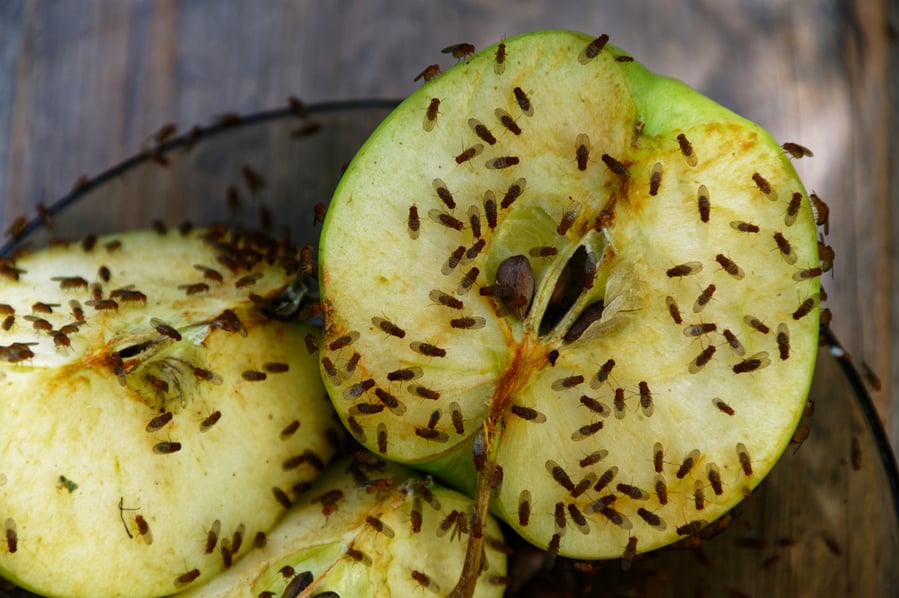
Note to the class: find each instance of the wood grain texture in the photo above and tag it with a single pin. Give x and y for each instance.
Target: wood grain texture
(84, 84)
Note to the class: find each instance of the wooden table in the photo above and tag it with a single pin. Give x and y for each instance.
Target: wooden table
(84, 84)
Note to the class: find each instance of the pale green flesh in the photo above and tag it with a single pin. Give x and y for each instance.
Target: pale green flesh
(372, 267)
(80, 465)
(343, 551)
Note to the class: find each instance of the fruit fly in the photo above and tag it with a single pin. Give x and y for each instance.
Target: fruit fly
(481, 130)
(414, 223)
(757, 324)
(431, 114)
(743, 457)
(793, 209)
(499, 61)
(502, 162)
(587, 430)
(459, 51)
(751, 364)
(388, 327)
(703, 299)
(685, 269)
(673, 309)
(822, 212)
(785, 248)
(729, 266)
(702, 359)
(783, 341)
(703, 203)
(513, 193)
(744, 227)
(469, 153)
(524, 102)
(428, 73)
(796, 150)
(507, 121)
(615, 166)
(688, 463)
(804, 308)
(582, 150)
(655, 178)
(593, 49)
(722, 406)
(686, 149)
(764, 186)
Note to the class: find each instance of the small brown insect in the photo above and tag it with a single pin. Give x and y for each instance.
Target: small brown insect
(143, 528)
(211, 377)
(804, 308)
(800, 435)
(688, 463)
(468, 323)
(457, 418)
(507, 121)
(650, 518)
(764, 186)
(404, 374)
(606, 478)
(796, 150)
(785, 248)
(690, 528)
(722, 406)
(512, 193)
(459, 51)
(743, 457)
(703, 203)
(673, 309)
(783, 341)
(12, 535)
(8, 322)
(808, 273)
(593, 458)
(524, 102)
(528, 414)
(756, 323)
(702, 359)
(443, 193)
(502, 162)
(593, 49)
(632, 491)
(166, 448)
(559, 475)
(389, 327)
(39, 324)
(685, 269)
(645, 399)
(614, 165)
(586, 431)
(431, 114)
(424, 392)
(751, 364)
(187, 578)
(703, 299)
(686, 149)
(822, 212)
(445, 219)
(382, 438)
(159, 421)
(568, 218)
(428, 73)
(71, 282)
(582, 150)
(729, 266)
(195, 288)
(469, 153)
(490, 209)
(744, 227)
(499, 62)
(793, 209)
(358, 389)
(661, 490)
(210, 420)
(414, 222)
(425, 581)
(698, 495)
(481, 130)
(655, 179)
(699, 329)
(253, 375)
(343, 341)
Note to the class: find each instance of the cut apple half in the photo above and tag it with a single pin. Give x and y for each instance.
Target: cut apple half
(578, 289)
(149, 398)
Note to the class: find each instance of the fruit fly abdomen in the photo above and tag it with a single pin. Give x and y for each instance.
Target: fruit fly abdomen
(593, 49)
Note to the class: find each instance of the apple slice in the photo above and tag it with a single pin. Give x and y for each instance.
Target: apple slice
(149, 399)
(367, 528)
(583, 283)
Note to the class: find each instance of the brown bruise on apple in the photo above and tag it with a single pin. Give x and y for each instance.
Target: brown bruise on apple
(367, 526)
(648, 219)
(164, 417)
